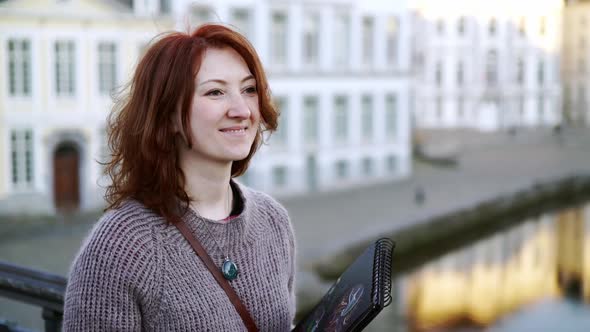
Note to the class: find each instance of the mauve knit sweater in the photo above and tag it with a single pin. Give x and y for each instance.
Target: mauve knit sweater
(137, 273)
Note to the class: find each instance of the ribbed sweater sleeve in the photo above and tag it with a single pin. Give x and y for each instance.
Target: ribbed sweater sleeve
(108, 278)
(280, 215)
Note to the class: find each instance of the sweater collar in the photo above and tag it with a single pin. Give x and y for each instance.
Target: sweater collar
(229, 237)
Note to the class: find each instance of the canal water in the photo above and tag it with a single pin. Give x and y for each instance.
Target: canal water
(534, 276)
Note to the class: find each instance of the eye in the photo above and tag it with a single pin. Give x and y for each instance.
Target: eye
(214, 93)
(250, 90)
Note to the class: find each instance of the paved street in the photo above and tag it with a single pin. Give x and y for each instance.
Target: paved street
(488, 165)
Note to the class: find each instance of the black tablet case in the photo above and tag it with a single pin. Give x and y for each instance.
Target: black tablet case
(360, 293)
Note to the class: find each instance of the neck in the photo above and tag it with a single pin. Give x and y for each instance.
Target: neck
(208, 187)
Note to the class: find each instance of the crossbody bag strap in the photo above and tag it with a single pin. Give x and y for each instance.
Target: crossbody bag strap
(233, 297)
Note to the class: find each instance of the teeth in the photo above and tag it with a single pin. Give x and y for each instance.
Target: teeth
(234, 130)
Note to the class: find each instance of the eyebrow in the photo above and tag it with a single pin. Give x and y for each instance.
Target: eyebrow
(217, 80)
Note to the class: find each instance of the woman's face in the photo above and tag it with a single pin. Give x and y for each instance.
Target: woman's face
(224, 117)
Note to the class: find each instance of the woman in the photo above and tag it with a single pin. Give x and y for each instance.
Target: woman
(193, 118)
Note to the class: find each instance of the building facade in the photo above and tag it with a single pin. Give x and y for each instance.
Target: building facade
(487, 65)
(576, 55)
(339, 71)
(60, 63)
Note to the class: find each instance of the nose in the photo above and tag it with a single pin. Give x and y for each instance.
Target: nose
(239, 108)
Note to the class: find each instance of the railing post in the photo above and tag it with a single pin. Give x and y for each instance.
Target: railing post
(52, 320)
(4, 327)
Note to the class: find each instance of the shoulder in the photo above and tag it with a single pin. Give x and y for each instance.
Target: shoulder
(264, 202)
(267, 208)
(126, 232)
(118, 266)
(130, 221)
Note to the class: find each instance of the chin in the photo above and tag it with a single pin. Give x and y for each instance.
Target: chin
(237, 156)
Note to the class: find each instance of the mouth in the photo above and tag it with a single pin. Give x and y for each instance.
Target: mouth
(234, 130)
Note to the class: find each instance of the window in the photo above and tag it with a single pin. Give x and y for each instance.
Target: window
(279, 39)
(341, 39)
(107, 67)
(461, 26)
(367, 166)
(391, 164)
(341, 118)
(21, 146)
(460, 108)
(390, 116)
(311, 38)
(522, 27)
(438, 108)
(241, 20)
(521, 106)
(392, 37)
(520, 71)
(201, 15)
(342, 169)
(19, 67)
(438, 74)
(280, 136)
(104, 151)
(165, 6)
(65, 68)
(310, 119)
(440, 26)
(279, 176)
(491, 68)
(368, 43)
(367, 117)
(460, 75)
(541, 73)
(492, 27)
(542, 25)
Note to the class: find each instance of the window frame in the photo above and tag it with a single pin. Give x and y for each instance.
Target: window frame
(22, 159)
(19, 67)
(65, 63)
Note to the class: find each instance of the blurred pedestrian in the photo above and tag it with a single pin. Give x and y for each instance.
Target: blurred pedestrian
(558, 133)
(419, 195)
(190, 121)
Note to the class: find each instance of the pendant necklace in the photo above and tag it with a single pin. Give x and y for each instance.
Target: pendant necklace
(229, 268)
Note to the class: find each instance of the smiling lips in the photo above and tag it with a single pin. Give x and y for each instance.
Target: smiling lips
(235, 131)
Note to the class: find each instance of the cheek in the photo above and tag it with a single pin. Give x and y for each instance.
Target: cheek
(202, 113)
(255, 110)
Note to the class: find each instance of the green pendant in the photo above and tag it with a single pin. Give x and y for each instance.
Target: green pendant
(229, 269)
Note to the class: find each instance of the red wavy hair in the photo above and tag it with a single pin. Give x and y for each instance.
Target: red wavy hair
(145, 162)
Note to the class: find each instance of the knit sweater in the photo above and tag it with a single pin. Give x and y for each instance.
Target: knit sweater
(135, 272)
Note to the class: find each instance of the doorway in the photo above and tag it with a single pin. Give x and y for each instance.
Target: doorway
(66, 172)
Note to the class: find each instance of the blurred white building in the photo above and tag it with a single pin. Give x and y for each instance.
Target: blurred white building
(339, 69)
(575, 61)
(487, 64)
(60, 61)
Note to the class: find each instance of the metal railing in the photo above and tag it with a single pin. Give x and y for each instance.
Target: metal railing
(34, 287)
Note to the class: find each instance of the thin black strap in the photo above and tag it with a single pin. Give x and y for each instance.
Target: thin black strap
(234, 298)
